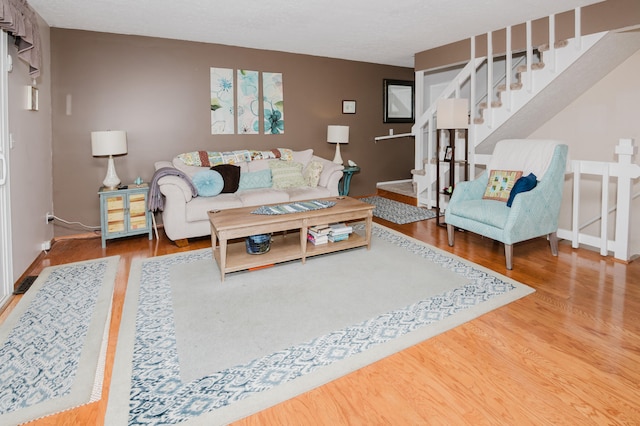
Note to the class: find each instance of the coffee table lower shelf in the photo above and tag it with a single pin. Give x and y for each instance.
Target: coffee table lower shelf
(284, 248)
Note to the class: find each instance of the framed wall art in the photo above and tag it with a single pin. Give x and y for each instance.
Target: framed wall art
(398, 101)
(349, 107)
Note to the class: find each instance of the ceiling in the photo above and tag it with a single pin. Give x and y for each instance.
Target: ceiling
(377, 31)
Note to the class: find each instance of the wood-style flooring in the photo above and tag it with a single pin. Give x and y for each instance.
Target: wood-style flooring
(569, 354)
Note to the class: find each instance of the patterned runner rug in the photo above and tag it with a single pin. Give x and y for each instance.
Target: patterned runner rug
(54, 342)
(193, 349)
(397, 212)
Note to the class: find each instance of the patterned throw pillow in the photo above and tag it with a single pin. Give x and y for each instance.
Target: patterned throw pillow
(209, 183)
(286, 174)
(254, 180)
(312, 173)
(500, 184)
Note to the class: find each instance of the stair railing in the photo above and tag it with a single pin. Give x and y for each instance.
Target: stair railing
(625, 172)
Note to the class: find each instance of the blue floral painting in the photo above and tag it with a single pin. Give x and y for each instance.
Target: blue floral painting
(222, 106)
(248, 102)
(273, 96)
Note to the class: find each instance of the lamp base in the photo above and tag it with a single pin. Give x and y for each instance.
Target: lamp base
(111, 181)
(337, 158)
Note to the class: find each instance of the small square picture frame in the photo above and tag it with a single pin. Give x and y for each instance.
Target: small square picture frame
(348, 107)
(448, 153)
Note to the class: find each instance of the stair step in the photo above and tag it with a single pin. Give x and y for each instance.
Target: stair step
(514, 86)
(422, 172)
(494, 104)
(558, 45)
(536, 66)
(478, 120)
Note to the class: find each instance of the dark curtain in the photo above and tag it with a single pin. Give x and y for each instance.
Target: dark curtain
(18, 19)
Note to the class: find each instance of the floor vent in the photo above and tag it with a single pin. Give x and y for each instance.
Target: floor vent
(25, 284)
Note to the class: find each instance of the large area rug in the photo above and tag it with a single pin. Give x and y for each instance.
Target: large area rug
(397, 212)
(195, 350)
(53, 344)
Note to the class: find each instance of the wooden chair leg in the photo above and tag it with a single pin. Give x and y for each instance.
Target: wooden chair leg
(553, 241)
(451, 230)
(508, 254)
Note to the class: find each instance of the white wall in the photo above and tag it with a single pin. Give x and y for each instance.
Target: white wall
(592, 126)
(30, 159)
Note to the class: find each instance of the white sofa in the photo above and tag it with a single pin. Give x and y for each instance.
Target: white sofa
(185, 216)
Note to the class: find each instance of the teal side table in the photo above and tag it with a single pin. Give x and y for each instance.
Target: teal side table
(347, 173)
(123, 212)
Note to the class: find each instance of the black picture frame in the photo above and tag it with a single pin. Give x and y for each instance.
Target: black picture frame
(398, 101)
(348, 106)
(448, 153)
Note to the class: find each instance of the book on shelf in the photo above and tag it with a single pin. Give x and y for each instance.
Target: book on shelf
(338, 237)
(320, 229)
(340, 228)
(323, 239)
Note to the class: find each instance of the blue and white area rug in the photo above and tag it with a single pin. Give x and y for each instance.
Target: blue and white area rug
(397, 212)
(53, 344)
(195, 350)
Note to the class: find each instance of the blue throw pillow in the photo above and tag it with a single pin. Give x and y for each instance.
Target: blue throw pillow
(254, 180)
(524, 184)
(209, 183)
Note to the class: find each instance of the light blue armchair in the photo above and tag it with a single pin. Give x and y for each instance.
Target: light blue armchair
(532, 214)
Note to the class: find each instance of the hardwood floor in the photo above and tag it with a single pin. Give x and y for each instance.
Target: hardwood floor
(568, 354)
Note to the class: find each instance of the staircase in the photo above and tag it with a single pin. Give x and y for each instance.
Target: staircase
(519, 105)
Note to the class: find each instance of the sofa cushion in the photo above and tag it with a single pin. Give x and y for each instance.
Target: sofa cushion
(328, 167)
(257, 165)
(254, 180)
(489, 212)
(286, 174)
(209, 183)
(302, 156)
(312, 173)
(307, 193)
(192, 170)
(231, 176)
(258, 197)
(198, 207)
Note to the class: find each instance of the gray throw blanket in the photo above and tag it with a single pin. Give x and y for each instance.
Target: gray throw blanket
(156, 200)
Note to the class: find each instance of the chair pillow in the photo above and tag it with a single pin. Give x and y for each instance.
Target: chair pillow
(209, 183)
(524, 184)
(286, 174)
(254, 180)
(231, 176)
(500, 184)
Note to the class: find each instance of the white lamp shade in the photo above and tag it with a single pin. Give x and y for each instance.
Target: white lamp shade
(337, 134)
(452, 114)
(109, 142)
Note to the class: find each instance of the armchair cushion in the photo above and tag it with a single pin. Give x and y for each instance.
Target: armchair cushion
(524, 184)
(500, 184)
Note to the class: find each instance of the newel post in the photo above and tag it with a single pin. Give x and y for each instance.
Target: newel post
(627, 171)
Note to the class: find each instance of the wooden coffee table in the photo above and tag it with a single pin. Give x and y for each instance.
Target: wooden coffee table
(238, 223)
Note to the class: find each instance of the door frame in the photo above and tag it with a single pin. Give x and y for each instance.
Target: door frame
(6, 250)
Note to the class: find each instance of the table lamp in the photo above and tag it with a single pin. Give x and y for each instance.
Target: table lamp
(109, 142)
(337, 135)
